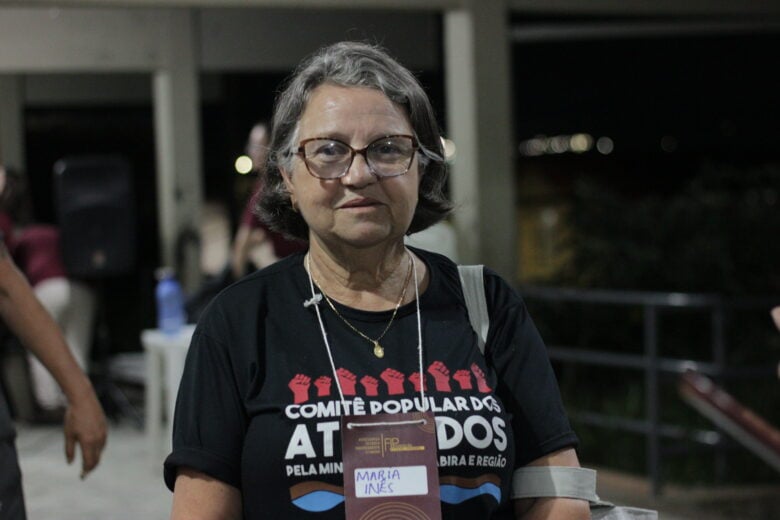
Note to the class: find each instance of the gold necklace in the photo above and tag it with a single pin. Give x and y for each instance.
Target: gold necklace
(379, 351)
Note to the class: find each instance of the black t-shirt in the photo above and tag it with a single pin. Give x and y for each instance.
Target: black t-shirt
(258, 408)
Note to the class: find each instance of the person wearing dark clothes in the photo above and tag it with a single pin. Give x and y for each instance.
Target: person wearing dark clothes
(362, 333)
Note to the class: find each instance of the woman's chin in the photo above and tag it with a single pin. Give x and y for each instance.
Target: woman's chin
(362, 237)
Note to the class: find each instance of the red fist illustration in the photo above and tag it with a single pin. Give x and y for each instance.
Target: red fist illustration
(323, 385)
(347, 380)
(394, 380)
(480, 375)
(371, 384)
(441, 376)
(300, 388)
(415, 379)
(463, 377)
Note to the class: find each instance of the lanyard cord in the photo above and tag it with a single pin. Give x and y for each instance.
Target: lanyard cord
(316, 298)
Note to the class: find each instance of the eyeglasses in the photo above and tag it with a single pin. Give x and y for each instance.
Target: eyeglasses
(388, 156)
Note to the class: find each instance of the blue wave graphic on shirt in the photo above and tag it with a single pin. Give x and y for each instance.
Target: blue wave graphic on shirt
(318, 501)
(455, 489)
(455, 495)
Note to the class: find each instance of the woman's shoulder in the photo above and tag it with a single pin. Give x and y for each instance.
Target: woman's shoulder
(270, 285)
(283, 272)
(494, 282)
(434, 260)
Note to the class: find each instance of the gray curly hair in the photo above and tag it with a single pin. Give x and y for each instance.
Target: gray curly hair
(352, 64)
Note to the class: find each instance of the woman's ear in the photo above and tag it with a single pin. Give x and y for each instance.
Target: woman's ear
(288, 184)
(287, 180)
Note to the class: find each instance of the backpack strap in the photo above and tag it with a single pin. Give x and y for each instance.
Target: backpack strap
(554, 481)
(472, 280)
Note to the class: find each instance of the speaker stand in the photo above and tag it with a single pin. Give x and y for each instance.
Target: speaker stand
(115, 403)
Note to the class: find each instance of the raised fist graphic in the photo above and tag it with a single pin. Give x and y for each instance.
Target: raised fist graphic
(300, 388)
(371, 384)
(441, 376)
(480, 375)
(347, 380)
(394, 381)
(415, 379)
(463, 377)
(323, 385)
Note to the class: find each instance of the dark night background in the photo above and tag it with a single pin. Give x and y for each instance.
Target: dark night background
(714, 94)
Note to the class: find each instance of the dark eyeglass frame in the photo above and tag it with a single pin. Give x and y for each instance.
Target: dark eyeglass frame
(301, 151)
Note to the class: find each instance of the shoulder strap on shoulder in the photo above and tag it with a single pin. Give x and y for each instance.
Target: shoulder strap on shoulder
(472, 280)
(554, 481)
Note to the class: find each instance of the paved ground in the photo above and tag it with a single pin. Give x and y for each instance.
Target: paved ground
(128, 485)
(125, 486)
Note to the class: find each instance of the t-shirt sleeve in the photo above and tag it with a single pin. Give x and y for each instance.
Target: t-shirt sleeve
(210, 419)
(526, 381)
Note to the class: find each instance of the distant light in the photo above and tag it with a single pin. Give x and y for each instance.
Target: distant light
(538, 145)
(668, 143)
(559, 144)
(579, 143)
(449, 148)
(243, 164)
(605, 145)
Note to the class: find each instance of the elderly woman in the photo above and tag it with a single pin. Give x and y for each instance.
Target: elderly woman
(363, 326)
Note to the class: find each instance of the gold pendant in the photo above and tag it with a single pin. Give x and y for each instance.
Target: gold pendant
(378, 350)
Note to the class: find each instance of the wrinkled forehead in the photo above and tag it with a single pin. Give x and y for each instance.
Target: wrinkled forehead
(332, 106)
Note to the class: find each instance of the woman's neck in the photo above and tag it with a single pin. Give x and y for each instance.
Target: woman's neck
(369, 278)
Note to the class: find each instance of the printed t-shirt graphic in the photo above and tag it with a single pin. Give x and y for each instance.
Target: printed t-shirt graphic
(479, 431)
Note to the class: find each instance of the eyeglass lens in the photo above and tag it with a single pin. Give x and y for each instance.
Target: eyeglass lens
(386, 157)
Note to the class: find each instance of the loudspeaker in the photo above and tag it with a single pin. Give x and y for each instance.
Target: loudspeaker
(96, 215)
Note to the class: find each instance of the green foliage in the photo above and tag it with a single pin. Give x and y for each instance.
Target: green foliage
(718, 234)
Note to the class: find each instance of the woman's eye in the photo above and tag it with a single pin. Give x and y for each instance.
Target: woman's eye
(330, 150)
(388, 148)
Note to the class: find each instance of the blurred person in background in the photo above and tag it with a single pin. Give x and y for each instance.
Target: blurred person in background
(252, 233)
(254, 245)
(35, 249)
(360, 321)
(84, 423)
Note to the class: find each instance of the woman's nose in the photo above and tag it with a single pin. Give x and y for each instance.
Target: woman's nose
(359, 173)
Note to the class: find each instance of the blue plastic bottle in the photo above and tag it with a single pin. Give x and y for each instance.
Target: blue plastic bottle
(170, 302)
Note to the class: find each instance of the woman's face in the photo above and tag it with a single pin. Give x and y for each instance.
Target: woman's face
(358, 209)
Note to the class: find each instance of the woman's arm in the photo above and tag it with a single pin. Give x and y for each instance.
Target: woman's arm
(553, 508)
(85, 423)
(197, 496)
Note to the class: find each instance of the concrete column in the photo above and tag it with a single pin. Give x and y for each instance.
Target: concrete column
(479, 115)
(177, 136)
(12, 121)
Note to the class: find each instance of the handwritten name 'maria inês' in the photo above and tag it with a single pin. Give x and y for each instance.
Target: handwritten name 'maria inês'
(377, 482)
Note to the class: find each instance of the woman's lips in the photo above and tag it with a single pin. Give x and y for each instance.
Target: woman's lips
(359, 203)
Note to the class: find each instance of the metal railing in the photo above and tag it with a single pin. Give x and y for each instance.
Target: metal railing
(653, 365)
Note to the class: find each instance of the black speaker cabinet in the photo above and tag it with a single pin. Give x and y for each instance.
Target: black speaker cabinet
(96, 214)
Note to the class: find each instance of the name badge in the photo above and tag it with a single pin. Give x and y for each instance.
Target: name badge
(390, 466)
